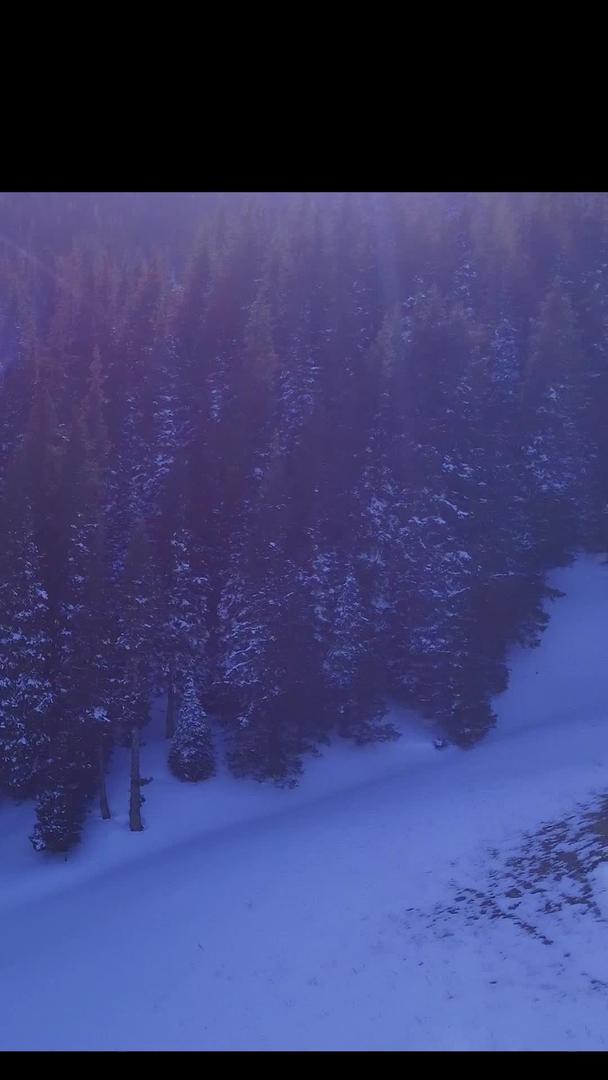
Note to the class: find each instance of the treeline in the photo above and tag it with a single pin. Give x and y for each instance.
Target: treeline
(322, 464)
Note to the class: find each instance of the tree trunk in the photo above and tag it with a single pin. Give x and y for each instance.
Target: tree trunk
(135, 824)
(104, 805)
(171, 708)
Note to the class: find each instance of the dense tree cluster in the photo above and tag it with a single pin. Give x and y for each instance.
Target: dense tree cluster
(323, 463)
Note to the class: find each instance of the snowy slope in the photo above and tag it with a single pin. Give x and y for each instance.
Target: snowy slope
(400, 898)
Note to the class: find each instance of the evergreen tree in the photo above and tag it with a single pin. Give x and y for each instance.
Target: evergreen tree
(557, 465)
(134, 655)
(84, 617)
(183, 595)
(191, 754)
(26, 693)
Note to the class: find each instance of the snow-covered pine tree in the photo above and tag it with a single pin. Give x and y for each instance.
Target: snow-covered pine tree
(26, 692)
(183, 599)
(345, 637)
(82, 652)
(270, 669)
(245, 640)
(85, 653)
(384, 557)
(139, 416)
(191, 755)
(136, 644)
(70, 778)
(557, 462)
(60, 810)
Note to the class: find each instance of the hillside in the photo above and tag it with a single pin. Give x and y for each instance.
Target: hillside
(398, 898)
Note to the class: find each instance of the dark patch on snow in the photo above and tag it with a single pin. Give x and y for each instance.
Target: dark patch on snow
(550, 871)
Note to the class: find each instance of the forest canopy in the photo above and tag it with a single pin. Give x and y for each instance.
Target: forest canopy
(283, 459)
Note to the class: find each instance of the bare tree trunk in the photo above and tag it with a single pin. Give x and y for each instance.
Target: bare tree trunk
(171, 708)
(135, 824)
(104, 805)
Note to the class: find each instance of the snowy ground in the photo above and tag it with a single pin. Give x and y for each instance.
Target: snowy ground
(399, 898)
